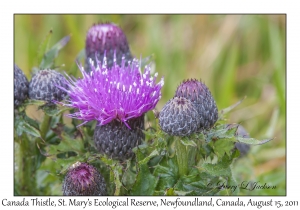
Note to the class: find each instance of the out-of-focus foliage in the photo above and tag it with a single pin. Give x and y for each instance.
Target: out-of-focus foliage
(235, 55)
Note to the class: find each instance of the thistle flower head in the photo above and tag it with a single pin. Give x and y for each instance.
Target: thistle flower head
(106, 38)
(120, 92)
(83, 179)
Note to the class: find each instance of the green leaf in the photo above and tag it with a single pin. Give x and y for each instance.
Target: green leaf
(146, 160)
(233, 182)
(129, 176)
(170, 192)
(188, 142)
(167, 172)
(117, 171)
(182, 193)
(31, 122)
(252, 141)
(67, 144)
(197, 184)
(44, 46)
(65, 164)
(220, 132)
(145, 182)
(23, 126)
(35, 102)
(222, 146)
(55, 110)
(51, 54)
(222, 168)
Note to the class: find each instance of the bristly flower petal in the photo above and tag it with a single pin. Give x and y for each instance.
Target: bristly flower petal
(120, 92)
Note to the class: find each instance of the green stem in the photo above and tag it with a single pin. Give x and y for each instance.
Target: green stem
(182, 157)
(192, 152)
(45, 126)
(27, 167)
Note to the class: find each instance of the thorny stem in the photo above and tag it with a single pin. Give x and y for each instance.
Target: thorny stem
(182, 157)
(27, 166)
(45, 126)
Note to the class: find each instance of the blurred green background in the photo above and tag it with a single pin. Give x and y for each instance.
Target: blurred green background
(235, 55)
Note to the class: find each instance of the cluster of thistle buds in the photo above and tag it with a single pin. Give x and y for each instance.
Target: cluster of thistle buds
(191, 110)
(42, 86)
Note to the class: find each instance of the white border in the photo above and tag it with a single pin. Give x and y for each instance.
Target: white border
(238, 6)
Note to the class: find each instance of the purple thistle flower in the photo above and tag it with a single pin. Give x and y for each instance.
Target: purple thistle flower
(83, 179)
(120, 92)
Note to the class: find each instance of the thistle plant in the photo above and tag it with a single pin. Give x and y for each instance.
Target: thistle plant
(100, 137)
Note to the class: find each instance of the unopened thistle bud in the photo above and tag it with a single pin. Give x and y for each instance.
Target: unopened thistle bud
(105, 39)
(198, 93)
(179, 117)
(44, 86)
(20, 86)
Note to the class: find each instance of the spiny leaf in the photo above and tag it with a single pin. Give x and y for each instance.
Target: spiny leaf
(222, 168)
(220, 133)
(167, 172)
(228, 109)
(31, 122)
(35, 102)
(129, 176)
(55, 110)
(51, 54)
(117, 170)
(146, 160)
(67, 144)
(188, 142)
(170, 192)
(65, 164)
(24, 126)
(252, 141)
(197, 184)
(182, 193)
(44, 46)
(222, 146)
(233, 182)
(145, 182)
